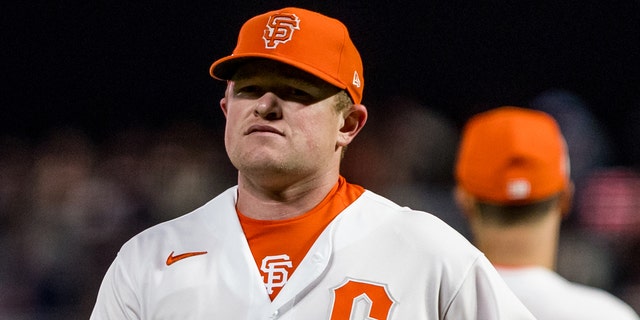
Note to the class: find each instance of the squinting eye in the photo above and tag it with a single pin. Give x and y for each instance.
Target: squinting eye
(248, 90)
(298, 92)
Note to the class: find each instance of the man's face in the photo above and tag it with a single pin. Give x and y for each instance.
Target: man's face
(280, 121)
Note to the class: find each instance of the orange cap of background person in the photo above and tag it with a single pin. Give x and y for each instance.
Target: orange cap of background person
(310, 41)
(512, 155)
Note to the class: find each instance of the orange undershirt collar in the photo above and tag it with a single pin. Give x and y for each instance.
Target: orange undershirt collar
(278, 246)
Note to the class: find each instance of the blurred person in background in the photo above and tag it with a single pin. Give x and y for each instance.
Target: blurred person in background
(63, 164)
(17, 287)
(609, 208)
(604, 219)
(182, 169)
(588, 142)
(590, 147)
(419, 144)
(514, 187)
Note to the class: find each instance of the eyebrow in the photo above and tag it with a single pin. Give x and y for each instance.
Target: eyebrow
(295, 80)
(281, 70)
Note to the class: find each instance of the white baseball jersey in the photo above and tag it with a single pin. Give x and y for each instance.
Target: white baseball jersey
(550, 296)
(376, 260)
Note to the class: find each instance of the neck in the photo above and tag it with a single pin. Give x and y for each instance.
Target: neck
(263, 200)
(533, 244)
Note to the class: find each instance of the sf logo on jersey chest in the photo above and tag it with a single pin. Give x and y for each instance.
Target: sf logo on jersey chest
(276, 271)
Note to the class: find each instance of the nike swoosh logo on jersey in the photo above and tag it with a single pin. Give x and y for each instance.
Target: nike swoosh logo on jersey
(171, 259)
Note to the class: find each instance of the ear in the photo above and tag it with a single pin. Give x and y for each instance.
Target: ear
(566, 200)
(354, 120)
(223, 101)
(223, 106)
(466, 202)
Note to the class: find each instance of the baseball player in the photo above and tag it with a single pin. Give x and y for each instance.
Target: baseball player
(293, 239)
(513, 182)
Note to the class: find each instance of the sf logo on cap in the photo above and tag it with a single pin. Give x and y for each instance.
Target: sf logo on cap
(280, 29)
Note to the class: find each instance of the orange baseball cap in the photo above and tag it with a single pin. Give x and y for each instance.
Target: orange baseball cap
(304, 39)
(512, 155)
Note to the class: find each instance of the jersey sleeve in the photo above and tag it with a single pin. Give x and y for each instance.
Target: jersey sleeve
(484, 295)
(116, 297)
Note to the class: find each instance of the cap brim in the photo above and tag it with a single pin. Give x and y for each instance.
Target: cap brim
(224, 68)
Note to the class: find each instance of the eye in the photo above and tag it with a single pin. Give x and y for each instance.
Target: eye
(299, 93)
(248, 90)
(296, 94)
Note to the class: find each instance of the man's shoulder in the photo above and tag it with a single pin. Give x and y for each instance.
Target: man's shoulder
(201, 222)
(374, 203)
(418, 226)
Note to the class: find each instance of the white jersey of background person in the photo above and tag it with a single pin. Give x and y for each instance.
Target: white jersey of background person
(407, 255)
(540, 289)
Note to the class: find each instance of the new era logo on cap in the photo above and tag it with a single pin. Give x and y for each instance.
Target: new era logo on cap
(356, 79)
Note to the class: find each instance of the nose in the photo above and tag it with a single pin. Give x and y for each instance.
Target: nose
(268, 107)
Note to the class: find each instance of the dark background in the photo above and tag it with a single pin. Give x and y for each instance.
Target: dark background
(103, 66)
(132, 76)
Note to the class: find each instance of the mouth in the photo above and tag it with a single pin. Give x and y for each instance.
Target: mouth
(263, 129)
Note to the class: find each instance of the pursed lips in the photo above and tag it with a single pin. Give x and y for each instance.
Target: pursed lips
(263, 128)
